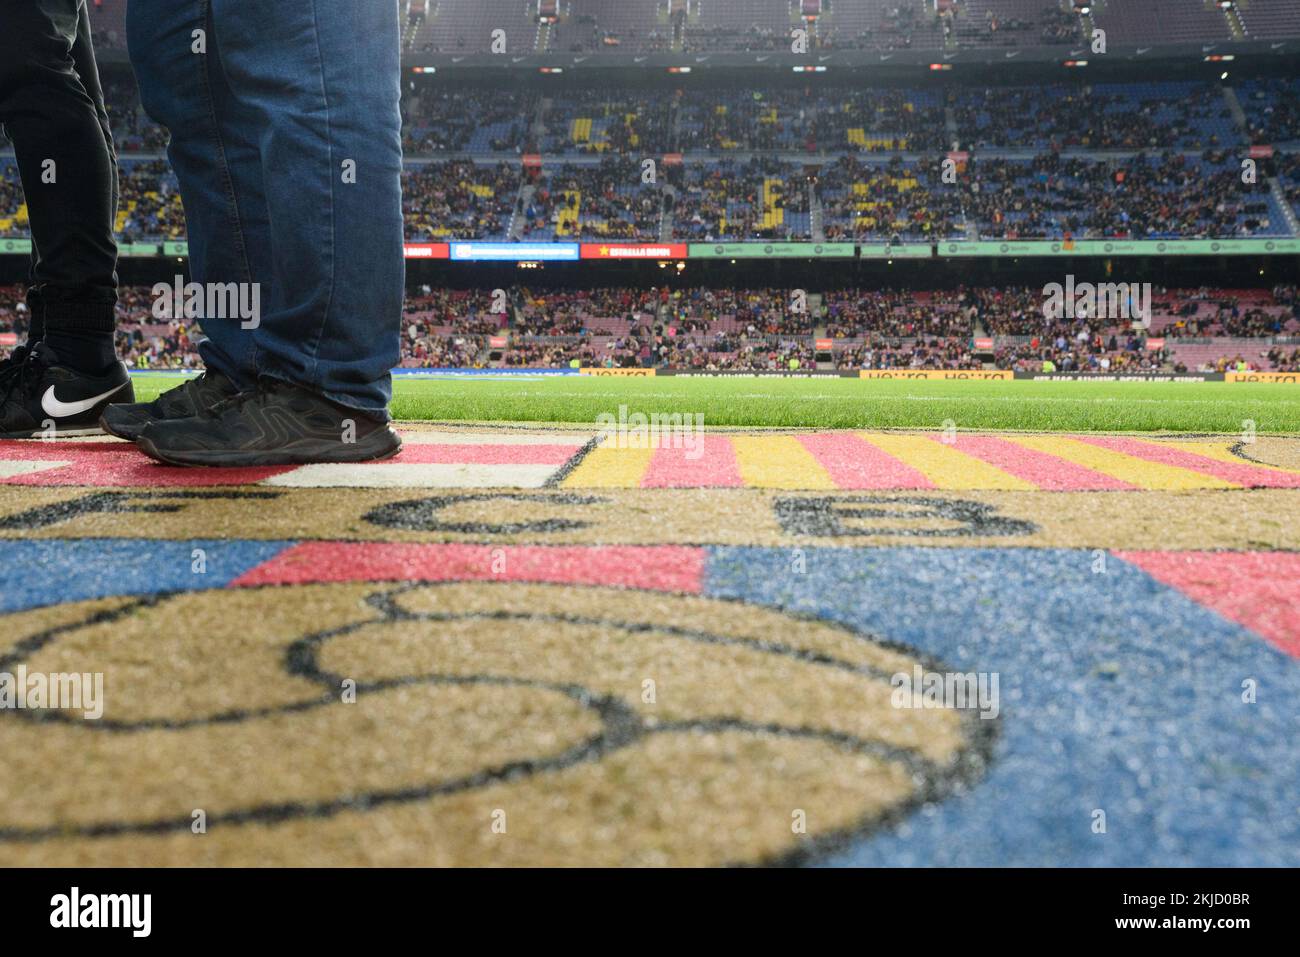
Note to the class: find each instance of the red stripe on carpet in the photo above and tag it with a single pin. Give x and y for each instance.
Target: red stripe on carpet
(414, 453)
(1252, 476)
(853, 463)
(661, 568)
(1048, 472)
(712, 467)
(1260, 590)
(118, 463)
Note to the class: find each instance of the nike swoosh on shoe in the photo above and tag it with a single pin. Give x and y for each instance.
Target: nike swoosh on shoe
(51, 404)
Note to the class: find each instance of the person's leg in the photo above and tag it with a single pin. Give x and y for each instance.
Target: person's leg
(52, 108)
(35, 305)
(317, 82)
(214, 153)
(320, 80)
(83, 56)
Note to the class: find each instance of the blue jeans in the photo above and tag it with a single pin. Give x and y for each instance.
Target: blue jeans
(267, 126)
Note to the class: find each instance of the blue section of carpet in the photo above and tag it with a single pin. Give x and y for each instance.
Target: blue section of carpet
(1118, 694)
(51, 572)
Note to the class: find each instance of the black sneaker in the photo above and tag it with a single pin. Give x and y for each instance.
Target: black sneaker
(38, 396)
(189, 398)
(276, 423)
(17, 356)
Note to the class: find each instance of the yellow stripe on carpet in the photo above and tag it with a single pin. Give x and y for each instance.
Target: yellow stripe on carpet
(609, 467)
(943, 465)
(1126, 468)
(778, 461)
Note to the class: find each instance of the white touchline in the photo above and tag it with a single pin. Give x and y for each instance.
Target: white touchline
(52, 406)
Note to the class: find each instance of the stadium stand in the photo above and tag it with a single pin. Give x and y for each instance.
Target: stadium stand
(1015, 23)
(740, 25)
(1148, 196)
(605, 201)
(632, 27)
(1149, 160)
(459, 200)
(776, 162)
(466, 121)
(878, 25)
(1269, 19)
(1289, 172)
(734, 200)
(896, 201)
(1162, 21)
(1272, 109)
(710, 328)
(640, 26)
(466, 26)
(606, 119)
(1124, 116)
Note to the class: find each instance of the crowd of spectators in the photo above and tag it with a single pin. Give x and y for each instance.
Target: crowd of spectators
(149, 202)
(885, 174)
(439, 117)
(896, 314)
(133, 130)
(895, 201)
(881, 119)
(761, 198)
(1052, 196)
(1171, 195)
(1237, 362)
(569, 311)
(440, 120)
(881, 352)
(1097, 353)
(11, 199)
(765, 328)
(1281, 359)
(1288, 168)
(1130, 116)
(607, 201)
(459, 199)
(622, 120)
(1205, 313)
(1272, 109)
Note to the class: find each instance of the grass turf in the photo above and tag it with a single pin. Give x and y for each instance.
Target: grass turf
(850, 403)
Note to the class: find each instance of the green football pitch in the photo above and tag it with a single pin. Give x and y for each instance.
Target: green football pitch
(848, 403)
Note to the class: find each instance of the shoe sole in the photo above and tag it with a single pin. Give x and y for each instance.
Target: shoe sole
(58, 433)
(224, 459)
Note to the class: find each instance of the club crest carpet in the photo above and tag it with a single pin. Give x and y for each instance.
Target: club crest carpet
(533, 646)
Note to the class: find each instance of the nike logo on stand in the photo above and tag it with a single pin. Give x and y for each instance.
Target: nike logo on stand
(52, 406)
